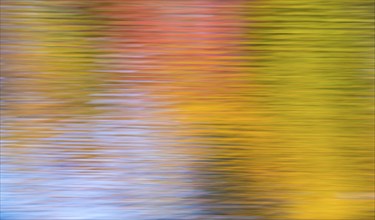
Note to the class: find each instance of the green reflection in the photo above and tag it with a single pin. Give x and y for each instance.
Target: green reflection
(316, 61)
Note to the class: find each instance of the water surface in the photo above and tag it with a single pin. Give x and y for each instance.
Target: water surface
(187, 110)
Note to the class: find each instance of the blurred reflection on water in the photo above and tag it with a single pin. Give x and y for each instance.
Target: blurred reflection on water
(169, 110)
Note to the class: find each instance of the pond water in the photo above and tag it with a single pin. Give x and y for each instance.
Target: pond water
(187, 110)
